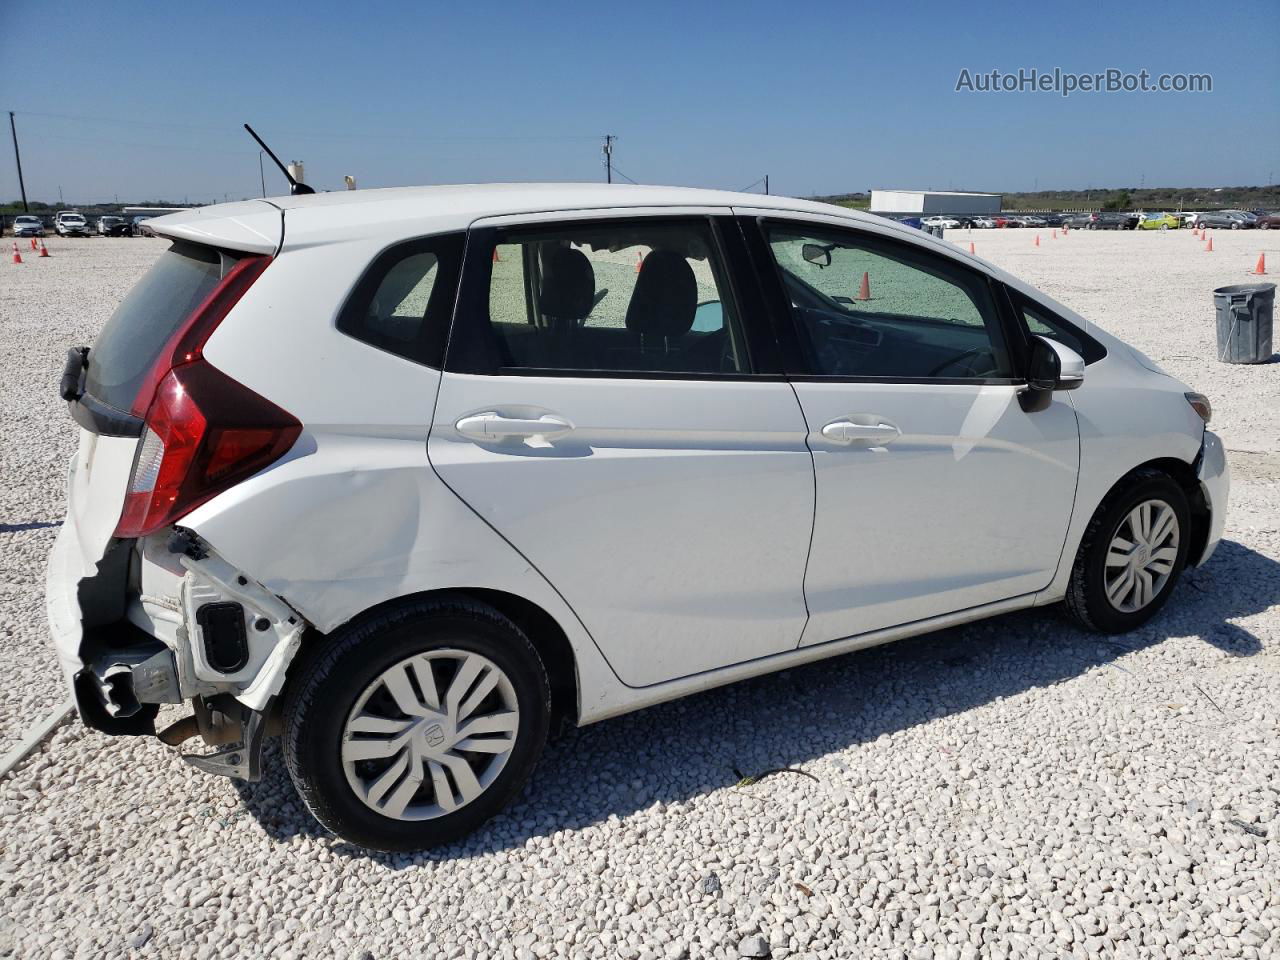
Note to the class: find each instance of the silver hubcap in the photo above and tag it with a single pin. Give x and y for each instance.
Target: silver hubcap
(1141, 556)
(430, 734)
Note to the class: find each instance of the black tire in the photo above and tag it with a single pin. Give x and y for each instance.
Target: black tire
(1086, 599)
(319, 702)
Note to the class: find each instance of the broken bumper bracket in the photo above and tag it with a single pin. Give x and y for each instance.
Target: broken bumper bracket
(242, 759)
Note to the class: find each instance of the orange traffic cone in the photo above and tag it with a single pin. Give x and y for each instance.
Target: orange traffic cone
(1261, 268)
(1037, 239)
(33, 243)
(864, 290)
(496, 258)
(639, 261)
(1209, 246)
(17, 257)
(971, 250)
(44, 251)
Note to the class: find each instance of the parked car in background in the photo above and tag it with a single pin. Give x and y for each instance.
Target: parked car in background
(140, 228)
(947, 223)
(1032, 220)
(26, 225)
(1268, 221)
(109, 226)
(1078, 221)
(69, 223)
(1222, 220)
(1108, 220)
(1188, 218)
(544, 493)
(1158, 221)
(983, 223)
(1052, 219)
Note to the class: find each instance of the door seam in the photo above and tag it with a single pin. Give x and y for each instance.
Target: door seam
(813, 520)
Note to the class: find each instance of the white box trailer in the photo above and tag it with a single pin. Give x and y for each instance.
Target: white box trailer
(930, 202)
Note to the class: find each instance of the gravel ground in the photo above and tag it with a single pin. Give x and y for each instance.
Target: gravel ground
(1014, 788)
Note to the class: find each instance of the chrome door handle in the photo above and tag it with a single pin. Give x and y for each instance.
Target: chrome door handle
(494, 426)
(864, 434)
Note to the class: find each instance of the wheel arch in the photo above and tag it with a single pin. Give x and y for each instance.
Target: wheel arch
(543, 630)
(1185, 475)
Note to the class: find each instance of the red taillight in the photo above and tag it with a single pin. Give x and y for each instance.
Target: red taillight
(204, 431)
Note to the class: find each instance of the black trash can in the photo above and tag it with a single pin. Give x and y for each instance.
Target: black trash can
(1244, 322)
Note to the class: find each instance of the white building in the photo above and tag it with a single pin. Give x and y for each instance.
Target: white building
(929, 202)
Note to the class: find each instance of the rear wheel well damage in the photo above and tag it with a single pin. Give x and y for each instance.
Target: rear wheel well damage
(546, 635)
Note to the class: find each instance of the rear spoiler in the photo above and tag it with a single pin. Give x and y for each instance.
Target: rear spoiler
(250, 226)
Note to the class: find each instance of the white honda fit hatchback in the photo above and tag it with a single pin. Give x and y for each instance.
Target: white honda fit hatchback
(405, 475)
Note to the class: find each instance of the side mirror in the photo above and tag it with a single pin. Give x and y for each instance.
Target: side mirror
(1053, 366)
(708, 317)
(819, 254)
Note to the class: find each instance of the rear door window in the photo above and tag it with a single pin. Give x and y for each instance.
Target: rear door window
(626, 298)
(133, 338)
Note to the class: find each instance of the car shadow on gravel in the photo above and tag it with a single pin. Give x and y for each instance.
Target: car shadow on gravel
(679, 751)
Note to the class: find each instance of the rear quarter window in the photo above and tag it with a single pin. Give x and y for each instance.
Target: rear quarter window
(404, 302)
(133, 338)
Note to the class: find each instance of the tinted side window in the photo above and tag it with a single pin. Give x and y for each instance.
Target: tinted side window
(873, 308)
(404, 302)
(1040, 322)
(628, 297)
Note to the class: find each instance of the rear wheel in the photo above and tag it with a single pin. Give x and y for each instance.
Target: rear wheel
(1132, 554)
(417, 725)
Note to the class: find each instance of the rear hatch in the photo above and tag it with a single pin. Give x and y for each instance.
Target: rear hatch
(110, 387)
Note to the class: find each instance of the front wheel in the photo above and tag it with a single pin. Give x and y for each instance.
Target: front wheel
(417, 725)
(1132, 554)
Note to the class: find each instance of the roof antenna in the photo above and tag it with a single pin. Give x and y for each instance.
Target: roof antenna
(296, 187)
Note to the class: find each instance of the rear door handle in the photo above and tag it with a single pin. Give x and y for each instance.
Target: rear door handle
(494, 426)
(873, 434)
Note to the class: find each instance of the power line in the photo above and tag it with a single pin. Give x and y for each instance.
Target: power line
(608, 157)
(625, 177)
(307, 135)
(18, 159)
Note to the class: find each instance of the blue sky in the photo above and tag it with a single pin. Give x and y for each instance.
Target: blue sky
(146, 100)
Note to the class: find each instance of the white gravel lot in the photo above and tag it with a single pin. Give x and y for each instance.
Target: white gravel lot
(1014, 788)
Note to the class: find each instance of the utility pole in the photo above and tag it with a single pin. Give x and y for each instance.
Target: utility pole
(608, 157)
(18, 158)
(766, 184)
(262, 176)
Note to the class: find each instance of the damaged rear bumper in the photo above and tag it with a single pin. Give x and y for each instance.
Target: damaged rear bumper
(156, 622)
